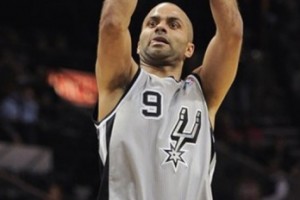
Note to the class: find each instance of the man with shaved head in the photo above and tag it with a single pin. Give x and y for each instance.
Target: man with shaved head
(155, 130)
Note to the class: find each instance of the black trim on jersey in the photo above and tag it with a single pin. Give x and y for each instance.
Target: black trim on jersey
(199, 80)
(95, 113)
(103, 190)
(200, 83)
(213, 149)
(172, 77)
(103, 193)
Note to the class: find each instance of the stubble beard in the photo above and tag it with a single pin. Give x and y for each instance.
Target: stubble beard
(158, 57)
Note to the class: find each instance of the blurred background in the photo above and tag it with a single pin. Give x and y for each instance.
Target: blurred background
(48, 144)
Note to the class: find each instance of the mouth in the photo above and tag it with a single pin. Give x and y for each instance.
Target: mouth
(161, 40)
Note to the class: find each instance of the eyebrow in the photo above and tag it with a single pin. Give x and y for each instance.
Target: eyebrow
(153, 18)
(170, 18)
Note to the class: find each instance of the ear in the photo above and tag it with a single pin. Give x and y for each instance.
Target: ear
(189, 50)
(138, 48)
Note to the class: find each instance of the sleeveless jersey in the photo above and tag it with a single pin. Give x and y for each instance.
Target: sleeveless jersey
(157, 143)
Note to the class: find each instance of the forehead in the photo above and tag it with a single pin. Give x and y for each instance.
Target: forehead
(166, 10)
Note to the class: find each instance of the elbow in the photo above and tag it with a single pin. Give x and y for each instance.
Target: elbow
(238, 30)
(231, 32)
(234, 34)
(116, 15)
(111, 23)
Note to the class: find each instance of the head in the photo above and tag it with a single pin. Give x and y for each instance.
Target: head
(166, 38)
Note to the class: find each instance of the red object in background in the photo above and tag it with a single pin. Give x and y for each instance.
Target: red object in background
(77, 87)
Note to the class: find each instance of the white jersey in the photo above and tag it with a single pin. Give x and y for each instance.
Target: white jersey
(157, 143)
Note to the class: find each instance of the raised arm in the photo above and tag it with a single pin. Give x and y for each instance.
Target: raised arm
(114, 66)
(221, 59)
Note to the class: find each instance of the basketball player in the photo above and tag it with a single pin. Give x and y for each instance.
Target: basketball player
(155, 130)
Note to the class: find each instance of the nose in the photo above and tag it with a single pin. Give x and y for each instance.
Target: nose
(160, 29)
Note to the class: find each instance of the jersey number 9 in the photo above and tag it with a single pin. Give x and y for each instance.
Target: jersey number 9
(152, 102)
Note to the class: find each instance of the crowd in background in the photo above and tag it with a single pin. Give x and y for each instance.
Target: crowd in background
(32, 114)
(257, 128)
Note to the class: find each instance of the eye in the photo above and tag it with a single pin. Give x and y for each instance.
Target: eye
(151, 23)
(174, 25)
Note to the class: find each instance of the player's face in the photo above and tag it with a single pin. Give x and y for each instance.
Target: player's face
(165, 36)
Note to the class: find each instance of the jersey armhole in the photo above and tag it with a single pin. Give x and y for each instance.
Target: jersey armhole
(197, 77)
(213, 148)
(130, 85)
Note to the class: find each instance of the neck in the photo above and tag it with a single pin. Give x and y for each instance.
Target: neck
(163, 71)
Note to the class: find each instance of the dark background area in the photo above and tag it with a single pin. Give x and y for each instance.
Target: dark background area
(257, 127)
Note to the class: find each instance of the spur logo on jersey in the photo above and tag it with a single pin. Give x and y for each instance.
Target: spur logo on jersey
(180, 137)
